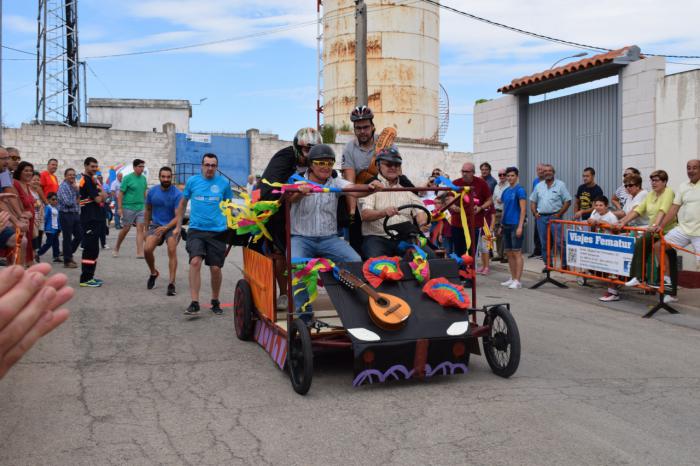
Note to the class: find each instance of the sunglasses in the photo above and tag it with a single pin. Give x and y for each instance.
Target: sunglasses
(323, 163)
(501, 175)
(467, 171)
(15, 157)
(392, 164)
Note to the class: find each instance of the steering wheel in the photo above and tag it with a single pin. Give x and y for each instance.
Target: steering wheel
(394, 232)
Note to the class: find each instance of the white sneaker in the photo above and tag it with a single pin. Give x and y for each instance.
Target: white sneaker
(507, 282)
(633, 282)
(608, 297)
(668, 299)
(515, 285)
(282, 302)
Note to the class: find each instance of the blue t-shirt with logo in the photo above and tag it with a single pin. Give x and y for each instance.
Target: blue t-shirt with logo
(205, 196)
(511, 197)
(163, 204)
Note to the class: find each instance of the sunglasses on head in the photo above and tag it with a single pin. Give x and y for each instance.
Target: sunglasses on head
(323, 163)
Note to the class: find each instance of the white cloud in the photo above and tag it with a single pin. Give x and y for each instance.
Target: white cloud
(20, 24)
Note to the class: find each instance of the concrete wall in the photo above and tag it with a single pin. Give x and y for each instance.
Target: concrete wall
(70, 146)
(140, 114)
(677, 124)
(419, 159)
(639, 81)
(496, 132)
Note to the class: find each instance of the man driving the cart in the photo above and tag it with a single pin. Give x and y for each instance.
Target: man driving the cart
(313, 217)
(379, 240)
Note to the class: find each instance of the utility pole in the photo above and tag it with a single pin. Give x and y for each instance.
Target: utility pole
(361, 52)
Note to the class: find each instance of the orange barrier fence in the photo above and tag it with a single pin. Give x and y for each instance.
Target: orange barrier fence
(611, 255)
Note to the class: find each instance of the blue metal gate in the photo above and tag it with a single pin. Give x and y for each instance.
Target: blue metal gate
(233, 153)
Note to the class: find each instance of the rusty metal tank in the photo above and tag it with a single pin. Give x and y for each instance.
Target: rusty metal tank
(403, 65)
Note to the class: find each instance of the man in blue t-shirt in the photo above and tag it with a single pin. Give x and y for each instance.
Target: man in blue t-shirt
(206, 236)
(514, 200)
(160, 215)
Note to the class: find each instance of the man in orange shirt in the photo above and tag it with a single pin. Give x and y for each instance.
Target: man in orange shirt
(48, 180)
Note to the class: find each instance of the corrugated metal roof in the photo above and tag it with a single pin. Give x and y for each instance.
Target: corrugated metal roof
(570, 68)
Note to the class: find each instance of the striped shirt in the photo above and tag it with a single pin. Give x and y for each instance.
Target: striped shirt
(316, 215)
(68, 198)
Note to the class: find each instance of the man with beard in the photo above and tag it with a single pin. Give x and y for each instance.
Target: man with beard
(357, 155)
(160, 216)
(283, 165)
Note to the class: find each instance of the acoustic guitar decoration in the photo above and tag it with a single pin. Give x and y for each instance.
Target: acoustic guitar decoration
(388, 312)
(384, 141)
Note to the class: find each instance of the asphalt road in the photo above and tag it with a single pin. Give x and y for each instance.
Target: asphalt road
(127, 380)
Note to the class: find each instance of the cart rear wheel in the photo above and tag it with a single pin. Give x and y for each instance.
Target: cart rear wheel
(243, 309)
(502, 344)
(300, 357)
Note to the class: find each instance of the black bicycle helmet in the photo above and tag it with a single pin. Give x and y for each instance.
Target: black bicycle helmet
(362, 112)
(389, 155)
(321, 151)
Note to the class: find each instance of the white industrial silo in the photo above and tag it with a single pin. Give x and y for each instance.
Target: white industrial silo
(403, 65)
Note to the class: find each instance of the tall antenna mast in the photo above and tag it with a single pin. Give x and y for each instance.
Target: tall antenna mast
(57, 63)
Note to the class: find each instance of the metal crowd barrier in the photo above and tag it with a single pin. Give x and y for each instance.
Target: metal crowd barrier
(608, 255)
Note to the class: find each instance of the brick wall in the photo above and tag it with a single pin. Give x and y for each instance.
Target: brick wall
(496, 132)
(70, 146)
(639, 81)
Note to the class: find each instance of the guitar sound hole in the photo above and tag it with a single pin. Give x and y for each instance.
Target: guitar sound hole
(382, 302)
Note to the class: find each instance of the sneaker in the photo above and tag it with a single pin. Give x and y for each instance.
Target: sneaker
(282, 302)
(608, 297)
(192, 309)
(507, 282)
(106, 246)
(667, 282)
(171, 289)
(92, 283)
(634, 282)
(516, 285)
(480, 270)
(668, 299)
(70, 265)
(152, 280)
(57, 260)
(216, 307)
(115, 253)
(484, 271)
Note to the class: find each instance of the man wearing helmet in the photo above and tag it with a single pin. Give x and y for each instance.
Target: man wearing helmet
(283, 165)
(384, 204)
(314, 219)
(357, 155)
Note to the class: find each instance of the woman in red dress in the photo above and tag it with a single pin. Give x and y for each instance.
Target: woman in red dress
(22, 180)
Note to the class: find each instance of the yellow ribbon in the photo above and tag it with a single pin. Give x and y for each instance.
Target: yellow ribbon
(463, 215)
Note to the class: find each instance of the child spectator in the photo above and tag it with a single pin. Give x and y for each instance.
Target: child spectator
(601, 213)
(52, 228)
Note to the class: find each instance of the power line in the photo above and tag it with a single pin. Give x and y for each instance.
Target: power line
(542, 36)
(18, 50)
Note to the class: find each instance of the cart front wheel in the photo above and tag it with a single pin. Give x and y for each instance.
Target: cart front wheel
(502, 344)
(243, 310)
(300, 357)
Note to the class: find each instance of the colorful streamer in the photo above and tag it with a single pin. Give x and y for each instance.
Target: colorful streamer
(249, 218)
(464, 263)
(419, 262)
(305, 272)
(381, 268)
(296, 180)
(487, 235)
(446, 293)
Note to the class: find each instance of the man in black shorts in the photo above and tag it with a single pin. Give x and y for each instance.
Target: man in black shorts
(160, 216)
(206, 235)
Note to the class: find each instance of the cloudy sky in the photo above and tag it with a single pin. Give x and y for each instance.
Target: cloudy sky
(266, 77)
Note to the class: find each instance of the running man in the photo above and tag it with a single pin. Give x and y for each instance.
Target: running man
(132, 195)
(205, 238)
(161, 217)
